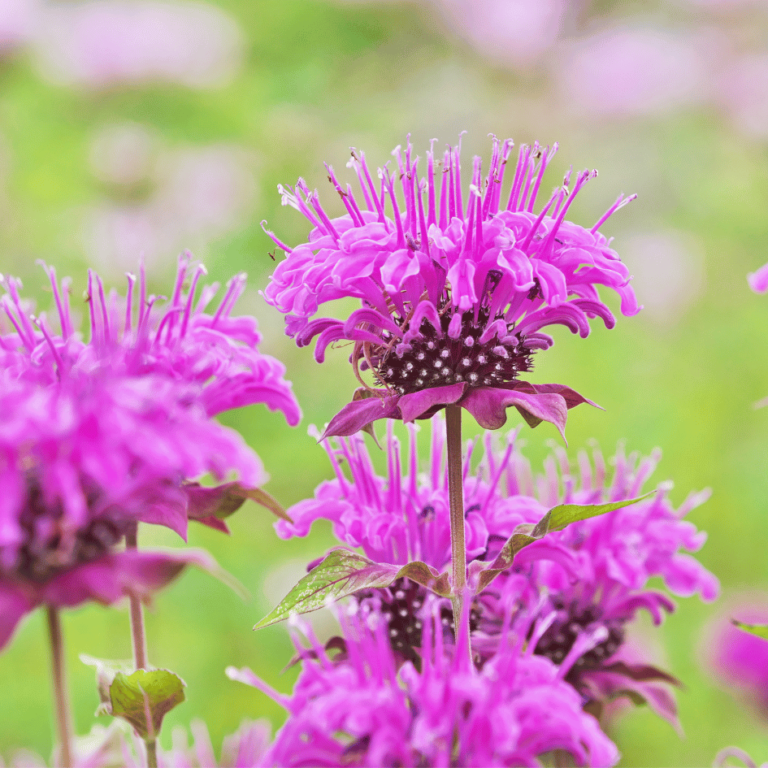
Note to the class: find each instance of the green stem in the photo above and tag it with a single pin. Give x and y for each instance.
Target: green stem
(456, 501)
(138, 634)
(151, 754)
(61, 699)
(139, 639)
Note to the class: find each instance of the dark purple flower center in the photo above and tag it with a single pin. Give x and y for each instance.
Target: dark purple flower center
(400, 606)
(435, 361)
(559, 638)
(48, 547)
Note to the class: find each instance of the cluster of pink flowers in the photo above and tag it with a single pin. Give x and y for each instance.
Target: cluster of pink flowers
(487, 622)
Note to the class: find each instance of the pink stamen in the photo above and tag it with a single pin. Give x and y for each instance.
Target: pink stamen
(66, 329)
(269, 233)
(432, 216)
(129, 304)
(424, 244)
(530, 173)
(29, 344)
(357, 216)
(377, 202)
(92, 309)
(355, 163)
(451, 186)
(459, 202)
(522, 165)
(444, 193)
(539, 219)
(398, 220)
(40, 322)
(621, 201)
(545, 160)
(201, 270)
(506, 151)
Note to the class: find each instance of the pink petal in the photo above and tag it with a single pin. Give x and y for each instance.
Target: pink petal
(359, 414)
(417, 404)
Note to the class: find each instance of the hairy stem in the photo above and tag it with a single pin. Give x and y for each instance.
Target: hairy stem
(456, 500)
(137, 615)
(61, 699)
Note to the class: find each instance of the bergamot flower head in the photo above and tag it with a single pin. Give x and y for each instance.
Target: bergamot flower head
(456, 287)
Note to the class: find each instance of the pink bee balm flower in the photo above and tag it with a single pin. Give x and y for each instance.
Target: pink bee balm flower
(359, 709)
(96, 437)
(581, 586)
(455, 291)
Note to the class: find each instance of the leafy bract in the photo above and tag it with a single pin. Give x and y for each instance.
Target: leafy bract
(556, 519)
(142, 697)
(342, 573)
(758, 630)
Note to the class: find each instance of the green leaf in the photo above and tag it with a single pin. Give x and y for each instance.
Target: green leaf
(224, 500)
(342, 573)
(556, 519)
(758, 630)
(571, 513)
(142, 697)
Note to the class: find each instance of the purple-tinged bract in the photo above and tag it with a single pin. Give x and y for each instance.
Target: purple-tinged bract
(455, 290)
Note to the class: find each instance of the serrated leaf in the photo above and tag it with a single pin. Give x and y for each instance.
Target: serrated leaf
(758, 630)
(556, 519)
(565, 514)
(342, 573)
(144, 698)
(224, 500)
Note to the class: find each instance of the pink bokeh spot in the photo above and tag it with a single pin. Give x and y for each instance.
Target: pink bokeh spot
(512, 32)
(104, 42)
(629, 72)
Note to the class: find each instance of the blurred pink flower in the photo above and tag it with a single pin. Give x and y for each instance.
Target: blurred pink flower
(124, 154)
(633, 71)
(17, 22)
(736, 658)
(200, 194)
(513, 32)
(742, 91)
(99, 43)
(667, 272)
(758, 280)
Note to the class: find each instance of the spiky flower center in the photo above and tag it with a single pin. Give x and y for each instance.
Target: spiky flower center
(559, 638)
(400, 606)
(49, 546)
(435, 360)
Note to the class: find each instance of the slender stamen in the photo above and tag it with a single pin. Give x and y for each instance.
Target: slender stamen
(273, 237)
(201, 270)
(128, 327)
(432, 216)
(40, 322)
(621, 201)
(355, 163)
(374, 195)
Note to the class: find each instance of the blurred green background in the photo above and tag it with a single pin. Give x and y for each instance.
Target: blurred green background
(104, 156)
